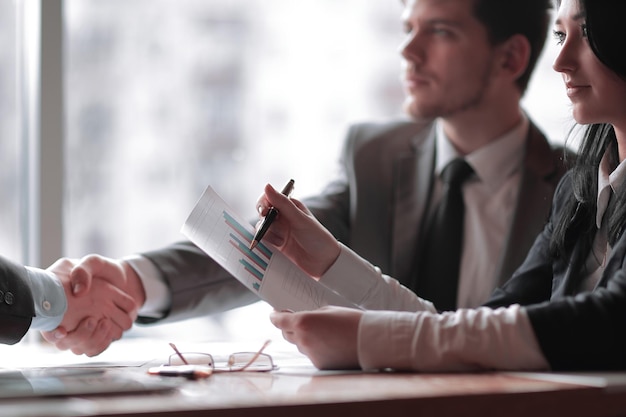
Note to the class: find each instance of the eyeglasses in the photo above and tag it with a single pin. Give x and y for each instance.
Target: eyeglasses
(237, 362)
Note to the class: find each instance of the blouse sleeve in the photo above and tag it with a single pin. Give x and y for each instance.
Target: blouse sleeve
(366, 286)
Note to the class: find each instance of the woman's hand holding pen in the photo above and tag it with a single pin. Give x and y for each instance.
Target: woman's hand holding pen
(298, 234)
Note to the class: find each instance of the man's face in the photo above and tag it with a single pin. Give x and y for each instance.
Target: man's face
(448, 60)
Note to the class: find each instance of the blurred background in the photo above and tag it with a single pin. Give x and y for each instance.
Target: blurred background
(165, 97)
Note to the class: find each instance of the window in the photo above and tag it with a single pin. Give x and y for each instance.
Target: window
(166, 97)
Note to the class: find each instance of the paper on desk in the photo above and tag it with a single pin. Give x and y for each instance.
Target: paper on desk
(219, 232)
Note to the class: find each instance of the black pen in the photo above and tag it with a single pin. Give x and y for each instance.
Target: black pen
(269, 218)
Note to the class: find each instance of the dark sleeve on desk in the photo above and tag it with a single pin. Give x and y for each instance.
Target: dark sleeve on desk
(17, 307)
(584, 332)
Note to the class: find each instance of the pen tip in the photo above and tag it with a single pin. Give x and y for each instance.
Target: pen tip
(253, 244)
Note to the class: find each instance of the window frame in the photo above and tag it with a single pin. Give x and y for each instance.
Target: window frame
(40, 104)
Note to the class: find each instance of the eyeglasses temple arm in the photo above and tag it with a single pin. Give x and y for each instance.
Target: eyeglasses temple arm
(256, 355)
(180, 355)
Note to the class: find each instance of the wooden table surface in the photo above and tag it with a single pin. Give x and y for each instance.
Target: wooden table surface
(298, 389)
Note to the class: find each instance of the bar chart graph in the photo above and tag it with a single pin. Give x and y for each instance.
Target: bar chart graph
(264, 270)
(255, 261)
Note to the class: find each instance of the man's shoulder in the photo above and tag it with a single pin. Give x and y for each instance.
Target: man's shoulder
(546, 158)
(392, 128)
(391, 135)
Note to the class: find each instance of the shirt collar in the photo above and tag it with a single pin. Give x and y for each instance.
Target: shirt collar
(609, 180)
(492, 163)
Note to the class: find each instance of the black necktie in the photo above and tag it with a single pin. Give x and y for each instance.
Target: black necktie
(438, 273)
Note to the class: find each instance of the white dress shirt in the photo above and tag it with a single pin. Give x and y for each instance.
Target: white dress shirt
(609, 180)
(158, 297)
(490, 198)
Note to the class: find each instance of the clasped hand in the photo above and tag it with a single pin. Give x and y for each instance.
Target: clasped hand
(102, 303)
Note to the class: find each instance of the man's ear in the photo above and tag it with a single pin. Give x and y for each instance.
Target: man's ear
(515, 55)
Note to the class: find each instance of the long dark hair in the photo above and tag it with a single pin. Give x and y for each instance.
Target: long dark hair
(607, 42)
(579, 209)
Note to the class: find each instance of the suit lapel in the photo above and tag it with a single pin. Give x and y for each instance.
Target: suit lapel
(567, 283)
(412, 181)
(615, 261)
(537, 186)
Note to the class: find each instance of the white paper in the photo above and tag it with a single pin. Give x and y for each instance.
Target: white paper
(221, 233)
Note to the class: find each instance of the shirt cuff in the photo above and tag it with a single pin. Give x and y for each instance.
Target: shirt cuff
(351, 276)
(49, 297)
(158, 297)
(365, 285)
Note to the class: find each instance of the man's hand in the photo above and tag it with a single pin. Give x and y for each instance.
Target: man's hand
(328, 336)
(103, 298)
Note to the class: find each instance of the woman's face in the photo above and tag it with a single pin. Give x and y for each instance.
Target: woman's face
(597, 94)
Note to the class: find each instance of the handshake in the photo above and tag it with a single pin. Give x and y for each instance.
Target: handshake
(103, 297)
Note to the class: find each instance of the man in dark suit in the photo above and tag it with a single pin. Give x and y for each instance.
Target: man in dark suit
(17, 306)
(42, 300)
(467, 66)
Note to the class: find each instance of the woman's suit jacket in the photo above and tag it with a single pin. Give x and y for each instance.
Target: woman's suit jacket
(17, 308)
(375, 207)
(575, 331)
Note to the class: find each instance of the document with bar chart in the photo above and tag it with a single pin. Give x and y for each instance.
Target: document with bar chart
(219, 232)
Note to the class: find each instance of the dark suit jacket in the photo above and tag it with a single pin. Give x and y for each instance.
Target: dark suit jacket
(17, 307)
(375, 207)
(585, 331)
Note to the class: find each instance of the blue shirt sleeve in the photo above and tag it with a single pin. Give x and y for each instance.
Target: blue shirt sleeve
(49, 297)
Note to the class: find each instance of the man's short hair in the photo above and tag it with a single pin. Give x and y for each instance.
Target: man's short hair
(506, 18)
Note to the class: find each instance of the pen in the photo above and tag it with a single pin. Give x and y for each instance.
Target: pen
(269, 218)
(187, 371)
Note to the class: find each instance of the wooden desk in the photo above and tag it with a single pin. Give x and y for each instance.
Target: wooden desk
(376, 395)
(297, 389)
(291, 394)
